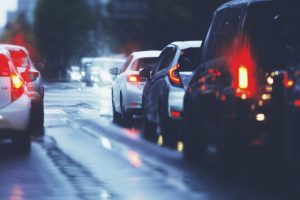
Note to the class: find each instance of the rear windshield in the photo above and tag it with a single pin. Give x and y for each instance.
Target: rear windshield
(144, 63)
(187, 59)
(19, 58)
(274, 34)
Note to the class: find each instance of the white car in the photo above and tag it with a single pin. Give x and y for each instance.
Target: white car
(33, 79)
(15, 104)
(127, 88)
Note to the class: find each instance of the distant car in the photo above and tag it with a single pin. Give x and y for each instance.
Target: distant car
(128, 86)
(238, 102)
(33, 79)
(164, 91)
(74, 73)
(84, 70)
(14, 104)
(97, 71)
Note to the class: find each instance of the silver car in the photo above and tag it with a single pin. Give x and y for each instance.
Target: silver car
(127, 88)
(34, 82)
(14, 104)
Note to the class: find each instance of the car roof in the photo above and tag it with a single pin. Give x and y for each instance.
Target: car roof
(14, 47)
(240, 3)
(187, 44)
(145, 54)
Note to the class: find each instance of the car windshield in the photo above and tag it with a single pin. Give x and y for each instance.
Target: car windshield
(274, 36)
(19, 58)
(144, 63)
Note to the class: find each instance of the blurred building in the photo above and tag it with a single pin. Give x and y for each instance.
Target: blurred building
(24, 6)
(27, 7)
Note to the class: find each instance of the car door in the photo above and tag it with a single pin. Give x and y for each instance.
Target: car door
(153, 86)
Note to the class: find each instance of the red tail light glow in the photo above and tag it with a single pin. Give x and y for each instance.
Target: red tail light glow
(243, 77)
(17, 88)
(242, 67)
(16, 81)
(173, 75)
(288, 83)
(134, 78)
(297, 103)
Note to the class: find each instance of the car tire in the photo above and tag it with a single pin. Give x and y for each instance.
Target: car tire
(22, 142)
(126, 117)
(37, 117)
(116, 115)
(149, 130)
(169, 133)
(194, 146)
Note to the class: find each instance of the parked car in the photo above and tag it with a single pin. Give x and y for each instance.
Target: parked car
(164, 91)
(128, 86)
(33, 80)
(14, 104)
(236, 104)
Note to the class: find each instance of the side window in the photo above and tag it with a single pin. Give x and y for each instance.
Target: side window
(222, 34)
(125, 66)
(165, 59)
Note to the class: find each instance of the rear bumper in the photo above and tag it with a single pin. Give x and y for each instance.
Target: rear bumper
(133, 98)
(175, 103)
(16, 116)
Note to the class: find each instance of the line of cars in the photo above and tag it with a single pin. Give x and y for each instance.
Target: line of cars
(232, 97)
(21, 96)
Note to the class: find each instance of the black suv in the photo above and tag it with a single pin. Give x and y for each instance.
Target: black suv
(243, 96)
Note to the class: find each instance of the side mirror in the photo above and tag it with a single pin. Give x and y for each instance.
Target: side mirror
(145, 73)
(29, 76)
(114, 71)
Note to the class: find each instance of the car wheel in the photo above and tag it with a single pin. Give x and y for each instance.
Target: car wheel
(37, 117)
(116, 115)
(126, 118)
(149, 130)
(22, 143)
(194, 145)
(169, 133)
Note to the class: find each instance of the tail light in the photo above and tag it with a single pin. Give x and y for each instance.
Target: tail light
(174, 75)
(287, 82)
(17, 86)
(243, 77)
(134, 78)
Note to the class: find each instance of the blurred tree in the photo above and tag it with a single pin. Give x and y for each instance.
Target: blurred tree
(19, 32)
(62, 29)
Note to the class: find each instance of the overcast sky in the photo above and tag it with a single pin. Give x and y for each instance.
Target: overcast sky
(6, 5)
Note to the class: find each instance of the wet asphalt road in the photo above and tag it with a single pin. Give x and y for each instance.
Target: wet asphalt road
(82, 155)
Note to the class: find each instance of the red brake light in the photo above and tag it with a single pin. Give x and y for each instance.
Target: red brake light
(243, 69)
(4, 67)
(173, 75)
(16, 81)
(288, 83)
(297, 103)
(134, 78)
(17, 88)
(243, 77)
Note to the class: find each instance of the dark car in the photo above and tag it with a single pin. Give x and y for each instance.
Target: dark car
(238, 103)
(162, 100)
